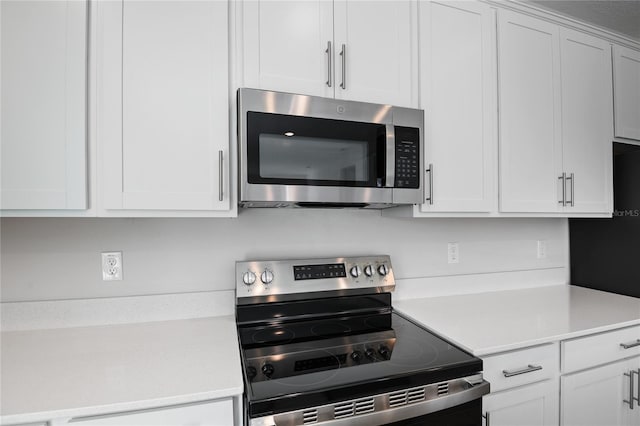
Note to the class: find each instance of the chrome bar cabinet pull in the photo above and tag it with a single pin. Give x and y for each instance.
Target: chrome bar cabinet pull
(630, 345)
(572, 179)
(430, 172)
(563, 178)
(343, 54)
(528, 369)
(329, 65)
(631, 375)
(220, 174)
(487, 419)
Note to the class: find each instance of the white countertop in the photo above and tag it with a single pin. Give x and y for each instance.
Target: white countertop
(80, 371)
(485, 323)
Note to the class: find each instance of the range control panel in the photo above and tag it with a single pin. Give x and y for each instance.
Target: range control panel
(271, 277)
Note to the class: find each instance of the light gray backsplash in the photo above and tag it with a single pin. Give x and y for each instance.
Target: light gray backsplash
(59, 258)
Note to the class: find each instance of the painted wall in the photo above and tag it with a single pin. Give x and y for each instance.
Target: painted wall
(59, 258)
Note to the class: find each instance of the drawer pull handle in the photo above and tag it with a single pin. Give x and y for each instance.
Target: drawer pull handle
(530, 368)
(630, 345)
(487, 419)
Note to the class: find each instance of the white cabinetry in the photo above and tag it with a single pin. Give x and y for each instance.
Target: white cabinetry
(458, 94)
(597, 396)
(587, 121)
(44, 69)
(524, 387)
(602, 392)
(532, 405)
(555, 118)
(357, 50)
(626, 79)
(530, 133)
(163, 108)
(212, 413)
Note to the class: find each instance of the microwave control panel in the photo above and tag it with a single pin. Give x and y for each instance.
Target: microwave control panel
(407, 157)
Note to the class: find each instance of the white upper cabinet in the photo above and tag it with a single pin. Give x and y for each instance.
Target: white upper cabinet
(555, 118)
(163, 107)
(458, 94)
(587, 121)
(626, 79)
(376, 51)
(44, 111)
(288, 46)
(357, 50)
(529, 100)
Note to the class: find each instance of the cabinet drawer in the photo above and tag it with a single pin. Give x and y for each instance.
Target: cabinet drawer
(510, 369)
(585, 352)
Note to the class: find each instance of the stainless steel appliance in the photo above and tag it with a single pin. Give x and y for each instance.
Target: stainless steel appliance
(307, 151)
(321, 344)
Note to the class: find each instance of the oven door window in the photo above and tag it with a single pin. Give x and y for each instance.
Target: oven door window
(292, 150)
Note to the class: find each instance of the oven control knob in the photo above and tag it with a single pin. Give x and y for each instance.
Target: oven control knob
(251, 373)
(370, 353)
(384, 352)
(268, 370)
(368, 270)
(355, 271)
(267, 276)
(248, 278)
(356, 356)
(383, 270)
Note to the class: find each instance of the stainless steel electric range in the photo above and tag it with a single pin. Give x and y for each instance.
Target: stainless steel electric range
(321, 344)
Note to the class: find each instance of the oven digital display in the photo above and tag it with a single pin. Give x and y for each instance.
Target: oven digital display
(325, 362)
(315, 272)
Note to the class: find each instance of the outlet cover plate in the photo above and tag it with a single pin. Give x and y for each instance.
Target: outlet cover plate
(453, 253)
(112, 266)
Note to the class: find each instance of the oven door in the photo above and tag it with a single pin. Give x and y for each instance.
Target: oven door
(461, 407)
(305, 159)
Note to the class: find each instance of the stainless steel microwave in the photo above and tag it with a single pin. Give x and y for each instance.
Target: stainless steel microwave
(307, 151)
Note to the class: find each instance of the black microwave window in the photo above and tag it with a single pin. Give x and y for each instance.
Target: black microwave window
(293, 150)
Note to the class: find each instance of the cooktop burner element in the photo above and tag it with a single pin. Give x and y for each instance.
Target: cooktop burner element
(319, 334)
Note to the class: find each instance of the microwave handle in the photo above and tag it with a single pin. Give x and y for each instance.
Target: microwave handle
(391, 157)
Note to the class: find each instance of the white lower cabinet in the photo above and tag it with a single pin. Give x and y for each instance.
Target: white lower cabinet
(524, 387)
(602, 395)
(602, 386)
(531, 405)
(212, 413)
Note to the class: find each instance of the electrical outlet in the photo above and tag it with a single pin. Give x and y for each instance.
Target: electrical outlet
(112, 266)
(453, 253)
(542, 249)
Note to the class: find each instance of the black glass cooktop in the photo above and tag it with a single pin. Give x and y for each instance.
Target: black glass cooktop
(310, 362)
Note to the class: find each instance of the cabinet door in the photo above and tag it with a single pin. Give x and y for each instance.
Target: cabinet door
(457, 80)
(626, 80)
(43, 131)
(216, 413)
(529, 104)
(587, 121)
(530, 405)
(287, 46)
(596, 396)
(163, 105)
(633, 416)
(376, 51)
